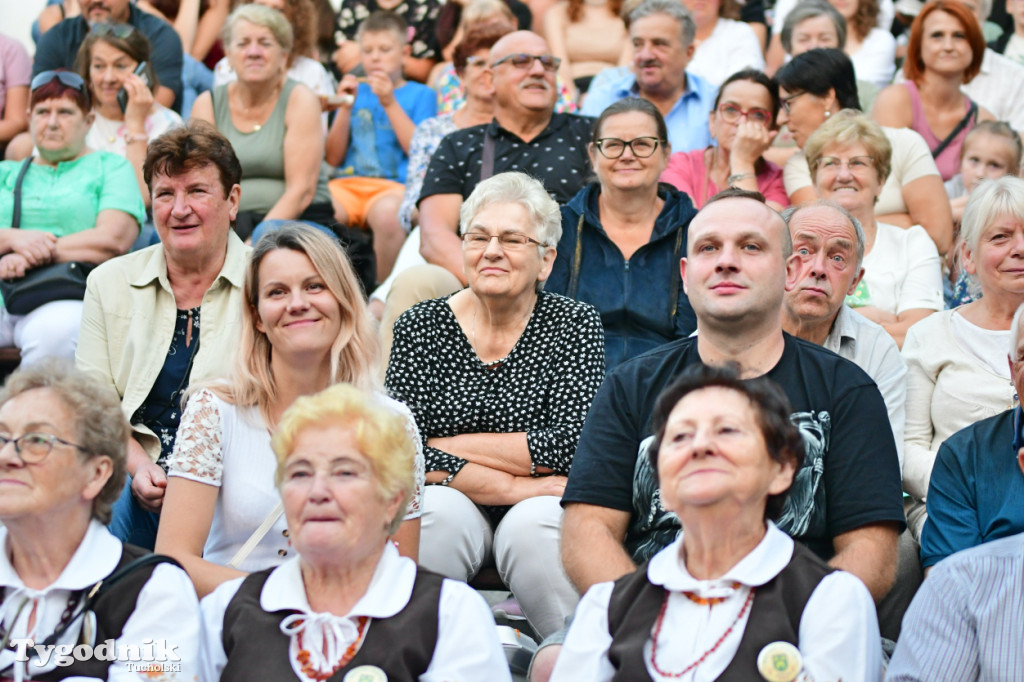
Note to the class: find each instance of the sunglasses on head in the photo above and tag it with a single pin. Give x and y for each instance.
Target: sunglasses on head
(68, 78)
(117, 30)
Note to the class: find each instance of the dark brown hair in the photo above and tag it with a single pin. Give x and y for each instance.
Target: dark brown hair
(194, 145)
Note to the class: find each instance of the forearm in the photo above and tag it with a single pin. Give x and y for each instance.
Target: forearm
(89, 246)
(592, 550)
(208, 29)
(136, 456)
(165, 96)
(441, 246)
(292, 203)
(336, 146)
(506, 452)
(136, 155)
(10, 127)
(417, 69)
(187, 23)
(491, 487)
(205, 575)
(870, 554)
(401, 124)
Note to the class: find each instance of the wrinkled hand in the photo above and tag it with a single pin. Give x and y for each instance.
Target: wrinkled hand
(140, 101)
(12, 266)
(149, 485)
(751, 141)
(545, 485)
(381, 85)
(35, 246)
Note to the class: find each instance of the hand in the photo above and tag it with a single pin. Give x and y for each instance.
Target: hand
(35, 246)
(348, 86)
(140, 101)
(381, 85)
(543, 485)
(751, 141)
(149, 485)
(12, 266)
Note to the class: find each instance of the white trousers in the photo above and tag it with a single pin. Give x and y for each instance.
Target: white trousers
(49, 330)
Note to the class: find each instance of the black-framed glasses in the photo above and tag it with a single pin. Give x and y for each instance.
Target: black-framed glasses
(33, 447)
(508, 241)
(118, 30)
(613, 147)
(68, 78)
(521, 60)
(787, 102)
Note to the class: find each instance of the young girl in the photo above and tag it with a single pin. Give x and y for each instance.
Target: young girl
(991, 150)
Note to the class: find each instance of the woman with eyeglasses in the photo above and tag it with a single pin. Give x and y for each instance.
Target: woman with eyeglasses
(850, 158)
(814, 86)
(623, 235)
(127, 116)
(75, 205)
(742, 126)
(500, 377)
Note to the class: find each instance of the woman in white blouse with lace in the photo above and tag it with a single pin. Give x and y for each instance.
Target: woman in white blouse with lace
(347, 604)
(733, 598)
(305, 327)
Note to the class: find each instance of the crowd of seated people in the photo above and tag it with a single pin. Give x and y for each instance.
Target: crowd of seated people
(718, 378)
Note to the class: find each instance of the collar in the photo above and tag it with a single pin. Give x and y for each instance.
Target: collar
(844, 330)
(764, 562)
(388, 593)
(631, 89)
(96, 557)
(233, 270)
(494, 129)
(1018, 437)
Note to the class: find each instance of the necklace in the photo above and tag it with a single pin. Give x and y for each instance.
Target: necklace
(247, 111)
(350, 652)
(699, 600)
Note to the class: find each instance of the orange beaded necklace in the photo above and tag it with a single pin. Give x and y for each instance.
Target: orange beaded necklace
(350, 652)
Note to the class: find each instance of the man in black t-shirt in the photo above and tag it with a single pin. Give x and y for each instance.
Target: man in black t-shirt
(845, 503)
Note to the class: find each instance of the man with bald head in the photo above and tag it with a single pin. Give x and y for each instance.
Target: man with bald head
(525, 135)
(845, 503)
(829, 243)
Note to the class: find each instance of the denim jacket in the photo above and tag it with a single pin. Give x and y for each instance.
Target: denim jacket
(641, 300)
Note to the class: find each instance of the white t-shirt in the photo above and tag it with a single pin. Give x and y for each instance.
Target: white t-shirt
(902, 272)
(989, 346)
(732, 46)
(107, 135)
(1015, 49)
(875, 61)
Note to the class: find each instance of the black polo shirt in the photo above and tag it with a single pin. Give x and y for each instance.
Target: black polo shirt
(58, 48)
(557, 157)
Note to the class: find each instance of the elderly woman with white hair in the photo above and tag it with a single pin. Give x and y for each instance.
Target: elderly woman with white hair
(957, 373)
(500, 377)
(347, 605)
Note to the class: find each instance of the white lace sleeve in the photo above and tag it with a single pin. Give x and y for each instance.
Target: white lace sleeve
(197, 450)
(415, 508)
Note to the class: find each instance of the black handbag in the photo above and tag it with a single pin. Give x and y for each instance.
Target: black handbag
(56, 282)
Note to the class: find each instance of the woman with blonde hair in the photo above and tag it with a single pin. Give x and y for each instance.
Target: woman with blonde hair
(305, 327)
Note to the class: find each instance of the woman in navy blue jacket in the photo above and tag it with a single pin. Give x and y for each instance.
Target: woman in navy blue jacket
(623, 236)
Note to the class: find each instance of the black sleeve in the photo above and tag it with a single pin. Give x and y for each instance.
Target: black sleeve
(752, 11)
(862, 477)
(522, 13)
(444, 176)
(558, 281)
(602, 471)
(166, 56)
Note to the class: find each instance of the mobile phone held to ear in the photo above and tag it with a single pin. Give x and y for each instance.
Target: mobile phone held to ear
(142, 71)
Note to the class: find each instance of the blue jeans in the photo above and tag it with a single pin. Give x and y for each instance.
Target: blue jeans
(131, 523)
(270, 225)
(196, 79)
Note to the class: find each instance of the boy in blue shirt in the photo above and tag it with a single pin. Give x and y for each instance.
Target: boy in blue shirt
(369, 139)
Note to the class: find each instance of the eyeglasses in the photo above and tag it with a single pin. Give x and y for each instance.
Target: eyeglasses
(33, 448)
(730, 113)
(521, 60)
(474, 60)
(787, 102)
(508, 241)
(113, 29)
(855, 164)
(68, 78)
(613, 147)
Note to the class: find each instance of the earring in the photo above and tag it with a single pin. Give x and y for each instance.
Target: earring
(827, 113)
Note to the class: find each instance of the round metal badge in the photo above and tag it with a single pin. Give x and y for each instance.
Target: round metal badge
(779, 662)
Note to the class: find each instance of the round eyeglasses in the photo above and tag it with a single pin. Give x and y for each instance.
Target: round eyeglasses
(613, 147)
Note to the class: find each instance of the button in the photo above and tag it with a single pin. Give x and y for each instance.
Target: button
(282, 552)
(284, 532)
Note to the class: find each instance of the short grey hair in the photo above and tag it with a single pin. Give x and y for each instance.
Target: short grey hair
(516, 188)
(1015, 331)
(260, 15)
(672, 8)
(811, 9)
(990, 200)
(100, 427)
(858, 229)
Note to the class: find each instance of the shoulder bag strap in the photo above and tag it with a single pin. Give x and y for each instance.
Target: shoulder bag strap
(16, 213)
(577, 257)
(971, 114)
(487, 166)
(257, 535)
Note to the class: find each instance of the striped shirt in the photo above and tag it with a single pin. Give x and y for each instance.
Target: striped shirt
(967, 620)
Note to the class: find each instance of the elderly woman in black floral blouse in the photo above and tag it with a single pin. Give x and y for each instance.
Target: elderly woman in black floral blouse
(500, 377)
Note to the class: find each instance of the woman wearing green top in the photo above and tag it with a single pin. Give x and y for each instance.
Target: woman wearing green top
(76, 205)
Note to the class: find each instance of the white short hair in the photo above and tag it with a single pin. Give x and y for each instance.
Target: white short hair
(516, 188)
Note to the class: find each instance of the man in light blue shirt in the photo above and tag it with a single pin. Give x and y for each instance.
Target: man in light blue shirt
(662, 33)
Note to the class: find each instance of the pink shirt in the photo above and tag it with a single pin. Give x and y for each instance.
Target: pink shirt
(686, 172)
(949, 160)
(15, 67)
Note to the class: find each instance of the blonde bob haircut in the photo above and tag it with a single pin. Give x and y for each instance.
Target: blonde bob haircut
(380, 434)
(355, 353)
(844, 128)
(259, 15)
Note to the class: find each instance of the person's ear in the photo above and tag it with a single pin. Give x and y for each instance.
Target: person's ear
(966, 258)
(1020, 460)
(793, 264)
(234, 198)
(682, 275)
(406, 51)
(856, 280)
(830, 99)
(98, 472)
(783, 477)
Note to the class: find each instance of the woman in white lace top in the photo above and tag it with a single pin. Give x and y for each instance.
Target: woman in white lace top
(305, 326)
